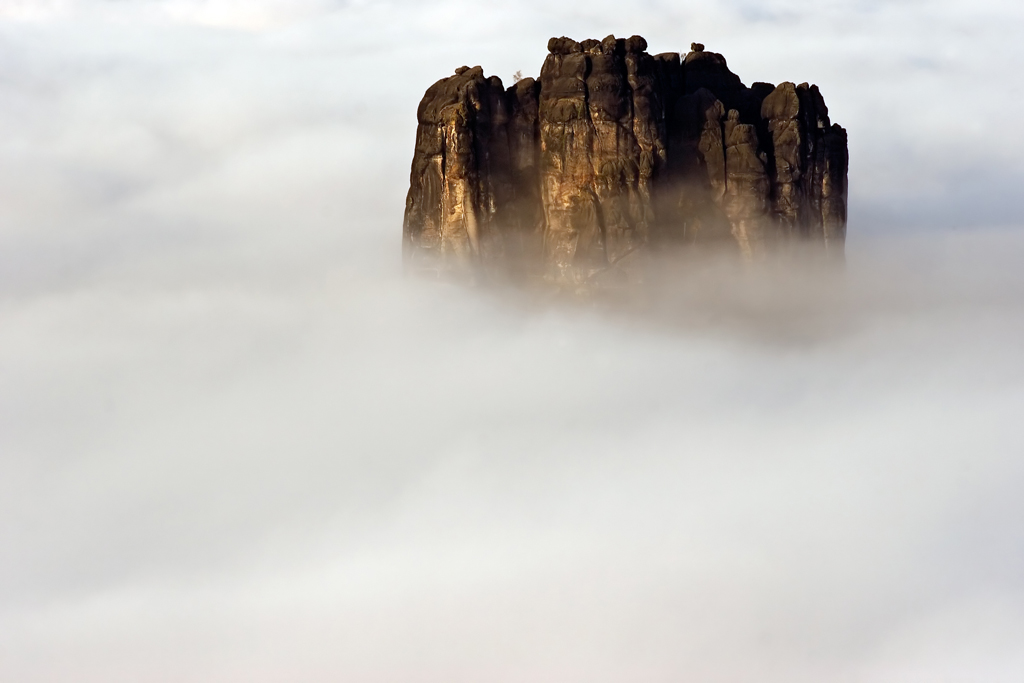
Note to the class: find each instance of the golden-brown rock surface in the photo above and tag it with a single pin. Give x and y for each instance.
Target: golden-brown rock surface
(613, 153)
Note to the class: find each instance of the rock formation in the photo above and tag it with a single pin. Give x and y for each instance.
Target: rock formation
(614, 153)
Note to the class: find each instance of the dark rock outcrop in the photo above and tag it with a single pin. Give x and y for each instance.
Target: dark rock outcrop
(614, 152)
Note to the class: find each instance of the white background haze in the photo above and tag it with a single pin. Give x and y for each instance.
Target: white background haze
(236, 445)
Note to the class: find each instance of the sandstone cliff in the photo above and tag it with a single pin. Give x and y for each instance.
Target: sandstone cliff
(614, 153)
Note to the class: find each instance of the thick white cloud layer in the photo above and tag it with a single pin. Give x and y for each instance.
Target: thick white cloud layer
(235, 445)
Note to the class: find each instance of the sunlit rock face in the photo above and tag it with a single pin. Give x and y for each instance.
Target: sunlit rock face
(613, 154)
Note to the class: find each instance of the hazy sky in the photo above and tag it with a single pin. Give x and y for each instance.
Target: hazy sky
(235, 445)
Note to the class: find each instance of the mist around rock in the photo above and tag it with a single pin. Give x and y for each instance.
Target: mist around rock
(796, 476)
(237, 444)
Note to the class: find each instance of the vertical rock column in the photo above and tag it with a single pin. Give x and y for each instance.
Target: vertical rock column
(602, 143)
(834, 190)
(459, 181)
(573, 239)
(494, 172)
(781, 110)
(705, 124)
(651, 135)
(810, 155)
(691, 189)
(615, 156)
(524, 218)
(747, 187)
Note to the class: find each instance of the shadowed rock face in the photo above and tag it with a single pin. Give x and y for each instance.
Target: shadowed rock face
(613, 153)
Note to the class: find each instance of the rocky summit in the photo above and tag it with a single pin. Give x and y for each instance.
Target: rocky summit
(614, 154)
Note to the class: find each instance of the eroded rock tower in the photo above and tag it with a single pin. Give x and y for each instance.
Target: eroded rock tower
(614, 153)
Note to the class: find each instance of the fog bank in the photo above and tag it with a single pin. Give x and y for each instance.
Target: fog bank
(237, 445)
